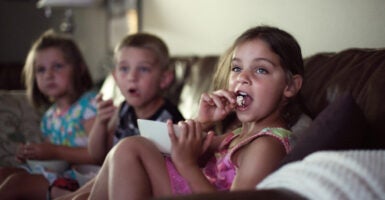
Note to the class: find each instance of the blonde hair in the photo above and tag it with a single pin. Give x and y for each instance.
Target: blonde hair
(81, 80)
(150, 42)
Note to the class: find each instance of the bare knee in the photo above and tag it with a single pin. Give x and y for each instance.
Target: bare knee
(8, 171)
(29, 186)
(133, 146)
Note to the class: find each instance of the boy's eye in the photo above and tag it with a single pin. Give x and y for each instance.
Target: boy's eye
(144, 69)
(123, 68)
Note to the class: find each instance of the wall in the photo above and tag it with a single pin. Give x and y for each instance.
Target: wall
(202, 27)
(209, 26)
(22, 23)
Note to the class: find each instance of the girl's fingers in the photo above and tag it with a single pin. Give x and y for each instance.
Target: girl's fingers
(191, 130)
(207, 141)
(229, 96)
(171, 132)
(223, 98)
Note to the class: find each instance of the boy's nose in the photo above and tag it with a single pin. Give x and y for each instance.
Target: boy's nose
(132, 76)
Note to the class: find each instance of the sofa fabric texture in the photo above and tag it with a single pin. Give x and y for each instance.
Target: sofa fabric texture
(360, 72)
(19, 123)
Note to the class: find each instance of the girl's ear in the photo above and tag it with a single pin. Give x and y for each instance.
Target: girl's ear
(167, 78)
(294, 86)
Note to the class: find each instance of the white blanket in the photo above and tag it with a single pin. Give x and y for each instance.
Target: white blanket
(355, 174)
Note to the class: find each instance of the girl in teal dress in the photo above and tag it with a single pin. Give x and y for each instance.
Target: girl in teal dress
(56, 75)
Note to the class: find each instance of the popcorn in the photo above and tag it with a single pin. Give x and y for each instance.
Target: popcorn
(240, 100)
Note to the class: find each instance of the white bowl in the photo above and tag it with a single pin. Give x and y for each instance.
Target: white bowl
(84, 173)
(157, 132)
(57, 166)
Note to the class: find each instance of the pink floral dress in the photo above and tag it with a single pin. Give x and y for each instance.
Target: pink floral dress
(220, 170)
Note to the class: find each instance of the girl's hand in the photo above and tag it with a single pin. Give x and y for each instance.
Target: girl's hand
(189, 145)
(20, 153)
(105, 109)
(41, 151)
(216, 106)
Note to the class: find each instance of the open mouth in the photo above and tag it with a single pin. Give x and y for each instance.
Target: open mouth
(133, 91)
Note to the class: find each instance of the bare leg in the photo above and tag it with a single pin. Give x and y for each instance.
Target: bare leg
(85, 189)
(7, 171)
(23, 185)
(133, 169)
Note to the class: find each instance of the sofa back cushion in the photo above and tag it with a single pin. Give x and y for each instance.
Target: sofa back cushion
(358, 71)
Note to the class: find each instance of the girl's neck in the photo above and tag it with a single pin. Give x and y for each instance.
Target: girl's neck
(146, 111)
(62, 105)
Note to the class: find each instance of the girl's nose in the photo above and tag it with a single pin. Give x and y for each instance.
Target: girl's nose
(244, 77)
(49, 73)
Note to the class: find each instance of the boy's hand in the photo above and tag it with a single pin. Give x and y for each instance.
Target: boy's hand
(216, 106)
(105, 109)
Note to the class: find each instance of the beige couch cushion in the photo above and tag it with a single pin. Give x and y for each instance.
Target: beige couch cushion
(19, 122)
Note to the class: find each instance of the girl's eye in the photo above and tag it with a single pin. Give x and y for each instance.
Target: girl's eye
(58, 66)
(262, 71)
(235, 68)
(40, 69)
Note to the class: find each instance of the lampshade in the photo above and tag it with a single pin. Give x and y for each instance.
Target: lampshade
(67, 3)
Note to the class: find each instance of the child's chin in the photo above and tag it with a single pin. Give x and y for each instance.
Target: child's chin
(242, 117)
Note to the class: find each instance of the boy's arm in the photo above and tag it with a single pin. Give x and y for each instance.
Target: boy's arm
(101, 134)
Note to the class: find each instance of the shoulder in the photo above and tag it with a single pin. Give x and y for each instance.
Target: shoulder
(87, 100)
(256, 160)
(87, 96)
(48, 114)
(263, 150)
(266, 143)
(281, 135)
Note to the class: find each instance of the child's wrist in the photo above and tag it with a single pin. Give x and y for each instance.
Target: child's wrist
(206, 126)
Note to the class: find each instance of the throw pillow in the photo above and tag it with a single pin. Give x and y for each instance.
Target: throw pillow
(340, 126)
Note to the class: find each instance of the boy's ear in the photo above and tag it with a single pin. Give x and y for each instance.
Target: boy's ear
(167, 79)
(113, 75)
(294, 86)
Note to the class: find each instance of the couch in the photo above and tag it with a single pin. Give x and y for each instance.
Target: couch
(359, 72)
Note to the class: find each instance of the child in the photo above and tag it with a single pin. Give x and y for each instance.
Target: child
(142, 74)
(55, 74)
(265, 73)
